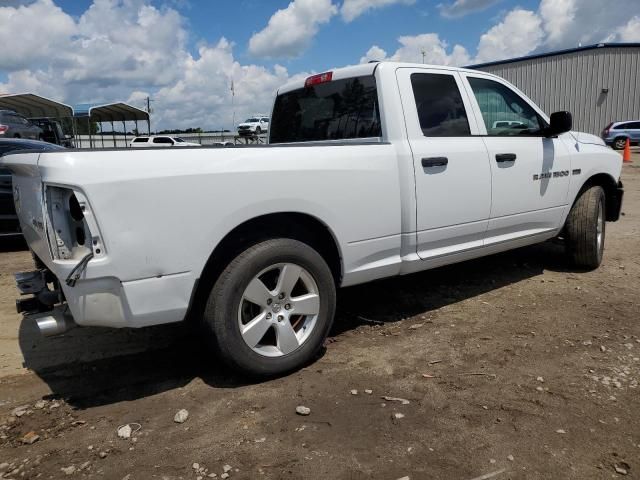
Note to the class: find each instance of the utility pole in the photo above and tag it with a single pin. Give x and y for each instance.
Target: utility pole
(423, 54)
(149, 112)
(233, 108)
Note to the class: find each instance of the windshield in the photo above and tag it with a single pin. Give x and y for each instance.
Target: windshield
(178, 139)
(336, 110)
(252, 120)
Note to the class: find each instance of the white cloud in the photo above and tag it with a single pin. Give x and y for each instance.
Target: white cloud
(32, 34)
(203, 95)
(290, 31)
(569, 23)
(631, 31)
(460, 8)
(352, 9)
(436, 51)
(374, 53)
(518, 34)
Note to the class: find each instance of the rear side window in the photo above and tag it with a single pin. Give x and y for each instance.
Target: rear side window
(162, 140)
(621, 126)
(440, 108)
(634, 126)
(336, 110)
(141, 140)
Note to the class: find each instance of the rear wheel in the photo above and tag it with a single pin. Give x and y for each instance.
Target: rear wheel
(619, 143)
(271, 309)
(585, 229)
(258, 130)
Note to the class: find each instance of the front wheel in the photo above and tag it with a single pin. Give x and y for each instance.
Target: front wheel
(585, 229)
(271, 308)
(258, 130)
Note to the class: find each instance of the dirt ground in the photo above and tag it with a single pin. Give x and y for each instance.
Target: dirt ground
(513, 367)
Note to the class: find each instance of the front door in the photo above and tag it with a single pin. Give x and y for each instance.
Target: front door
(452, 172)
(530, 172)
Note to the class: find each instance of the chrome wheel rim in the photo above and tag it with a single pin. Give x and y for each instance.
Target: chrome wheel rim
(600, 226)
(279, 310)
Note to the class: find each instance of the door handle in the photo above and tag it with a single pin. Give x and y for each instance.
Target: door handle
(435, 162)
(505, 157)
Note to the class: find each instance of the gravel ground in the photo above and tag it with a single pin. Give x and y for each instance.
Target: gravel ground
(513, 366)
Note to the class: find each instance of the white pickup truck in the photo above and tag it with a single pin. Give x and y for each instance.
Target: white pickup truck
(371, 171)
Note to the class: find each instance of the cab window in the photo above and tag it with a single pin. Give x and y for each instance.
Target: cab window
(162, 140)
(505, 113)
(440, 108)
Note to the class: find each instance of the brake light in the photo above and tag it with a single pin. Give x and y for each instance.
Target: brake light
(607, 128)
(3, 128)
(318, 79)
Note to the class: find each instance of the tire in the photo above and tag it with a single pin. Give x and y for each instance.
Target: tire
(585, 229)
(258, 130)
(619, 143)
(227, 310)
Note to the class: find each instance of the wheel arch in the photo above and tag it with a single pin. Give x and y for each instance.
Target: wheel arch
(610, 187)
(299, 226)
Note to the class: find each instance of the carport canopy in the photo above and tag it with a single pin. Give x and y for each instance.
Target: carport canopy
(31, 105)
(110, 112)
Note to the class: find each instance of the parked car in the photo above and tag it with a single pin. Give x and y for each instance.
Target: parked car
(14, 125)
(617, 133)
(52, 132)
(372, 171)
(160, 141)
(254, 125)
(9, 225)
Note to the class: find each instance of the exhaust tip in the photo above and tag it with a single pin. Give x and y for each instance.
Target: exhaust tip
(50, 326)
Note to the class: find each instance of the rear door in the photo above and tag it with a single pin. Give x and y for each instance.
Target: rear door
(452, 173)
(529, 172)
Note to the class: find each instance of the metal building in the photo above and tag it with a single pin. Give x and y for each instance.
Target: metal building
(598, 84)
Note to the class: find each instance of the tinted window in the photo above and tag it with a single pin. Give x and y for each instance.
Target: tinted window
(621, 126)
(162, 140)
(634, 126)
(440, 108)
(500, 104)
(336, 110)
(140, 140)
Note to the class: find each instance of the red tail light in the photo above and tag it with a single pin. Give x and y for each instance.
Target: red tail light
(318, 79)
(3, 128)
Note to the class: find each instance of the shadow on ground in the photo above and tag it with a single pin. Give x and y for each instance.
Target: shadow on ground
(92, 366)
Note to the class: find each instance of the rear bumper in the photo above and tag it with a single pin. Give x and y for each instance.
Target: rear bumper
(107, 301)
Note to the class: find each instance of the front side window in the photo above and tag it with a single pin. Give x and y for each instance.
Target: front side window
(141, 140)
(440, 108)
(162, 140)
(505, 113)
(335, 110)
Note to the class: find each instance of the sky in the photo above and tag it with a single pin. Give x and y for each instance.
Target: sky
(184, 54)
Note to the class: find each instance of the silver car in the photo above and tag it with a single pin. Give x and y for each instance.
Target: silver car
(14, 125)
(616, 134)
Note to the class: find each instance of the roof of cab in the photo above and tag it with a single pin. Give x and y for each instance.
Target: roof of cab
(367, 69)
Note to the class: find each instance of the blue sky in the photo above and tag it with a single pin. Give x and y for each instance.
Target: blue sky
(184, 54)
(338, 43)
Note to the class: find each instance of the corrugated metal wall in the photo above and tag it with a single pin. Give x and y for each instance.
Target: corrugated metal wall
(574, 82)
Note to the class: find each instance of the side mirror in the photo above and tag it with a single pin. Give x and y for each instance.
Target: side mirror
(560, 122)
